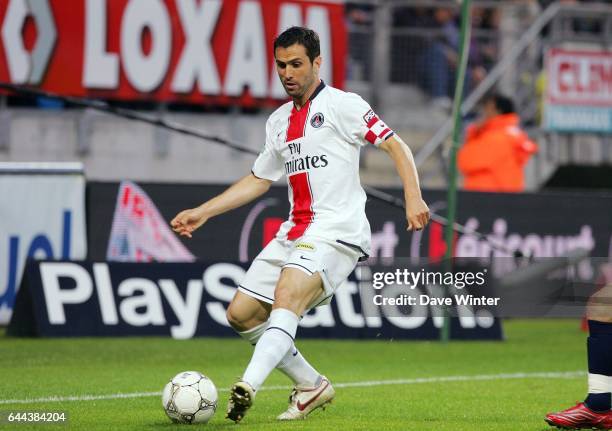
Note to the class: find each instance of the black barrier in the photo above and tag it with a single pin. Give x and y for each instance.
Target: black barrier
(183, 300)
(540, 224)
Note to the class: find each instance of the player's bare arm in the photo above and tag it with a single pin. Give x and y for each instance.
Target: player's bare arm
(417, 212)
(240, 193)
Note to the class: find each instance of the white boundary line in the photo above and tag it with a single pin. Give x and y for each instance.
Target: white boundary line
(413, 381)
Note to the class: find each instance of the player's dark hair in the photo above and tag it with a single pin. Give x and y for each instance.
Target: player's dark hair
(306, 37)
(503, 104)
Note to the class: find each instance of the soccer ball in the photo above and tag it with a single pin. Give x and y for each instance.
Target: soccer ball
(190, 397)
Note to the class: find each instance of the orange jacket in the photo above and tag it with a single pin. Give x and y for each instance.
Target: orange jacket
(494, 155)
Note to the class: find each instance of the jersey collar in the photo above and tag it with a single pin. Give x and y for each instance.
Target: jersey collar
(319, 88)
(314, 94)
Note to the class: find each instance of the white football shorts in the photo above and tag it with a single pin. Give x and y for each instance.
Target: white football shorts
(333, 261)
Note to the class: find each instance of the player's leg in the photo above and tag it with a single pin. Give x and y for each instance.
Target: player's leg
(248, 314)
(249, 318)
(595, 411)
(311, 273)
(334, 263)
(294, 292)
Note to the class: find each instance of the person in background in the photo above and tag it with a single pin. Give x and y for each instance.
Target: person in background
(441, 57)
(496, 150)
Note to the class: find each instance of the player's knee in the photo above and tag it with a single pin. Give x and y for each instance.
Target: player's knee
(232, 319)
(236, 319)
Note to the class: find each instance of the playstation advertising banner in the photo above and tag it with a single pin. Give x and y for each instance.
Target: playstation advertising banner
(397, 299)
(183, 300)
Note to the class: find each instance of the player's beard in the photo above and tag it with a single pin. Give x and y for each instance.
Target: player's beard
(298, 90)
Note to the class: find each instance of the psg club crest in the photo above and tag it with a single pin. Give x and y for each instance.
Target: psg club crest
(317, 120)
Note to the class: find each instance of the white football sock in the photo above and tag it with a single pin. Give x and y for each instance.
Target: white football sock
(272, 346)
(252, 335)
(293, 364)
(297, 368)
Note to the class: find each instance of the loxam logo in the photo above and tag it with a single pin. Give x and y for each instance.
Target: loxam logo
(26, 67)
(168, 63)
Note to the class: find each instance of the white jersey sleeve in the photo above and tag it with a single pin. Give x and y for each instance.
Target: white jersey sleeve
(359, 123)
(269, 164)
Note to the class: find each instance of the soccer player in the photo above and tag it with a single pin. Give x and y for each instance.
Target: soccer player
(595, 412)
(314, 140)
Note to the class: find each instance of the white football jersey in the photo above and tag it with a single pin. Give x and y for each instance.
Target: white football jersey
(317, 147)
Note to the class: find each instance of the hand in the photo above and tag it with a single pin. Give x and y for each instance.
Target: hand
(417, 213)
(185, 222)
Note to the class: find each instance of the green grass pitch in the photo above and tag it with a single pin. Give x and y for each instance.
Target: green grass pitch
(501, 400)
